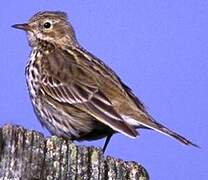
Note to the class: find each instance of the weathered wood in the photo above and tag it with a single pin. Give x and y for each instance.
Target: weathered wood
(27, 155)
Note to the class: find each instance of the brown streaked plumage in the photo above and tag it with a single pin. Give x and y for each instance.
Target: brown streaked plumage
(74, 94)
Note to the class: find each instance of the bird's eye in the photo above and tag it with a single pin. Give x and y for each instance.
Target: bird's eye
(47, 25)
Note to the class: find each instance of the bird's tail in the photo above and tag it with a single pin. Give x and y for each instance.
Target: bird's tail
(152, 124)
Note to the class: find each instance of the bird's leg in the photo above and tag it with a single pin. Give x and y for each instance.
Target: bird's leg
(106, 142)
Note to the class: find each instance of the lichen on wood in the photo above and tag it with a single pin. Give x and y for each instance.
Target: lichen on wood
(28, 155)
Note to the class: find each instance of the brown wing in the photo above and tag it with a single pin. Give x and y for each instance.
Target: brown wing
(121, 88)
(128, 103)
(67, 82)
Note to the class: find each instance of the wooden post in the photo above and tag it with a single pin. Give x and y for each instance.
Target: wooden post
(27, 155)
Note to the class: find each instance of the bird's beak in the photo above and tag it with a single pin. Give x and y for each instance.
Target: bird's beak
(24, 26)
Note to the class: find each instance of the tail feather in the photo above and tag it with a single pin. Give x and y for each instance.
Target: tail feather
(152, 124)
(174, 135)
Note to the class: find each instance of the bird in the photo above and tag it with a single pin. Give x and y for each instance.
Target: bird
(74, 94)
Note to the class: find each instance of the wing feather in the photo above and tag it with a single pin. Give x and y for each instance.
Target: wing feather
(87, 97)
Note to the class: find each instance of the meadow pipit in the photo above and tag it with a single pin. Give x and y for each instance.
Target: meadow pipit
(74, 94)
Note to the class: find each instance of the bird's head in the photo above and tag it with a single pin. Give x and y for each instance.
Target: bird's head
(50, 26)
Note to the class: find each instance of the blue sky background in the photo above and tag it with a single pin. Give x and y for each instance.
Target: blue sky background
(159, 48)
